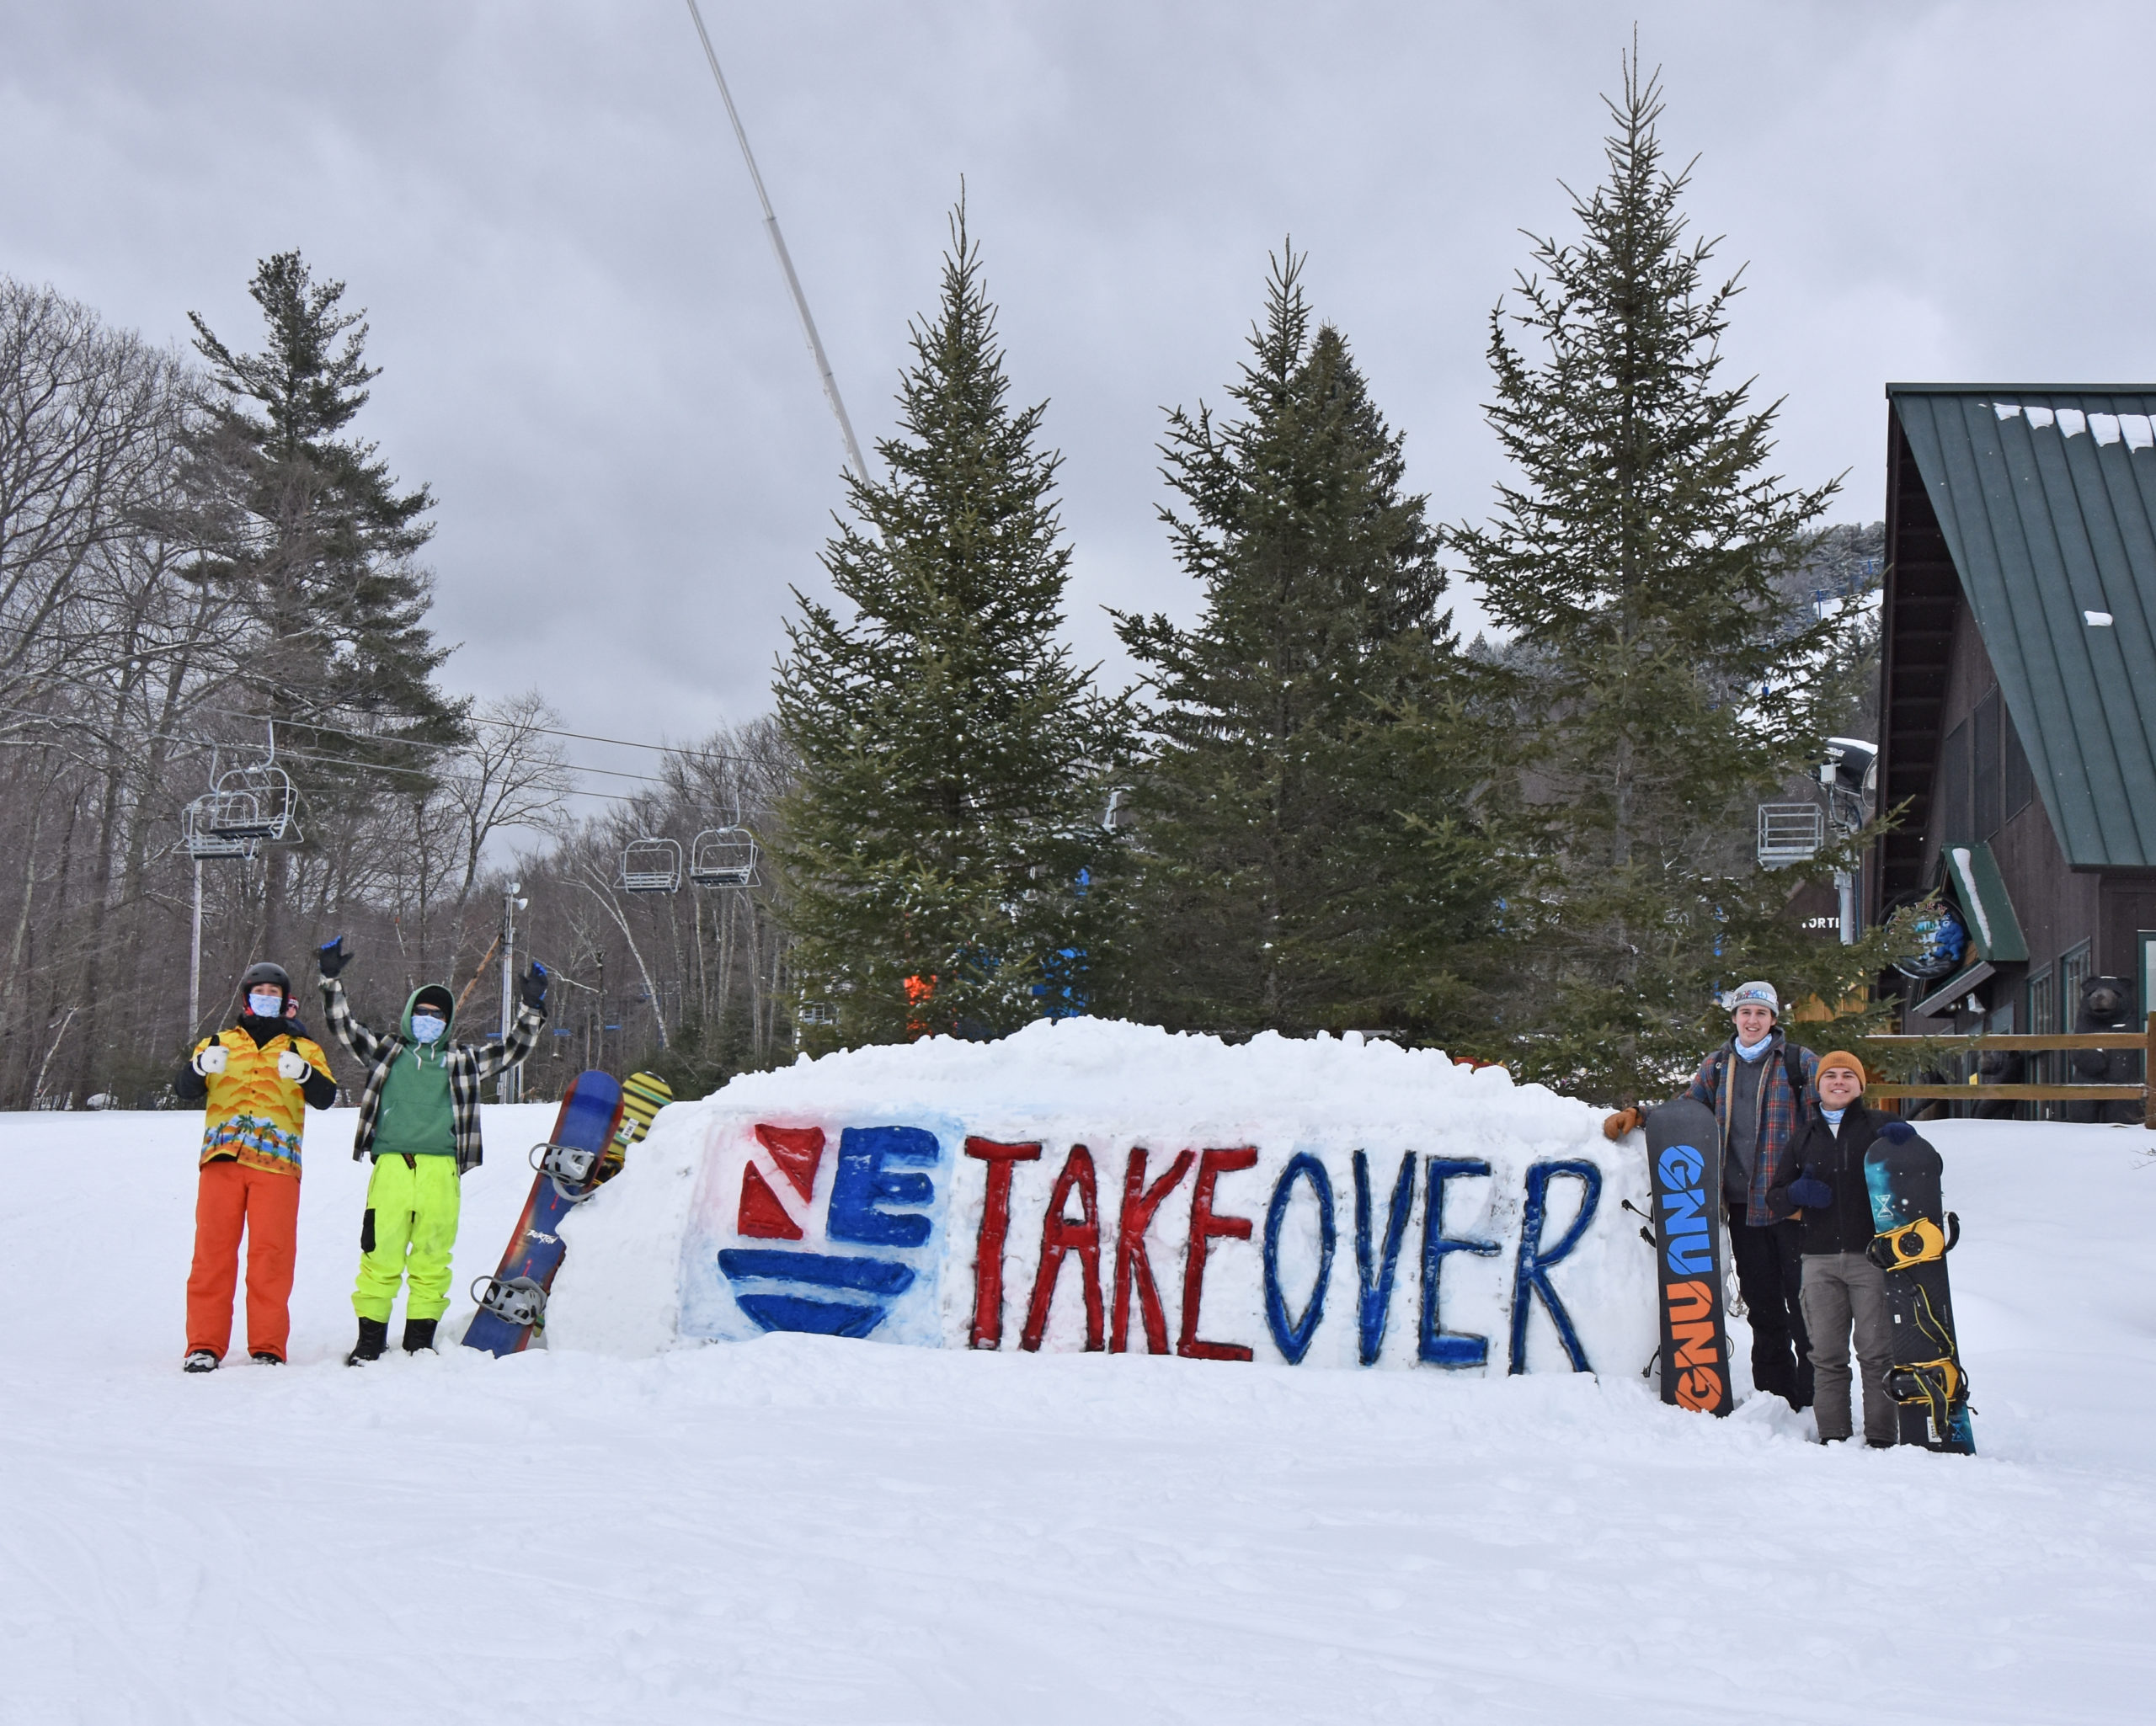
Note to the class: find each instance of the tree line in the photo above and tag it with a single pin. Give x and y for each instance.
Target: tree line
(1318, 810)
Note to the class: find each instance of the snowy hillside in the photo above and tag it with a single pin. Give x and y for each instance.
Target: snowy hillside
(812, 1530)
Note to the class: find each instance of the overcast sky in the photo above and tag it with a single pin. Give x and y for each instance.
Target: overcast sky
(588, 352)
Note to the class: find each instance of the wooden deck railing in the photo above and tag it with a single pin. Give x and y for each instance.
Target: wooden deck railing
(1973, 1092)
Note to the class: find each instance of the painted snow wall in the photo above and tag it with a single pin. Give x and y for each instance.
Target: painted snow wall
(1097, 1185)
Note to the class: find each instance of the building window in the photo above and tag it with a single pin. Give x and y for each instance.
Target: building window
(2042, 1018)
(1954, 787)
(1983, 767)
(2018, 786)
(2073, 972)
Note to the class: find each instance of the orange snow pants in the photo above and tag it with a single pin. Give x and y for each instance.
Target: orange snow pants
(266, 1204)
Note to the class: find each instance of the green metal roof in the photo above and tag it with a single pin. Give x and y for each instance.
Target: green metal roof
(2046, 496)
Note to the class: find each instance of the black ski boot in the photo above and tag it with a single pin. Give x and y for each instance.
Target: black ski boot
(374, 1338)
(418, 1334)
(264, 1357)
(199, 1360)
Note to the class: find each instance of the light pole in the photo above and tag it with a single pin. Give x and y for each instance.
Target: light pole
(510, 1086)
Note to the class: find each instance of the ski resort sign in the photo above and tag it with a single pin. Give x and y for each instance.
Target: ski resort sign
(1090, 1186)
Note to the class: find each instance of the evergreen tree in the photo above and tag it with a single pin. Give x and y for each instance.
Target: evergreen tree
(1313, 851)
(939, 844)
(1660, 691)
(312, 533)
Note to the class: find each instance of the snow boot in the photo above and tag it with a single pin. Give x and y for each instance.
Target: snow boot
(199, 1360)
(418, 1334)
(264, 1357)
(374, 1338)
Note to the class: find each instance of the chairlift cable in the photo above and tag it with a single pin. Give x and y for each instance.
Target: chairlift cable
(785, 262)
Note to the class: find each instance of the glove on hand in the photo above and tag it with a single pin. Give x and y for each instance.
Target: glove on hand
(209, 1060)
(1811, 1193)
(1622, 1123)
(1897, 1133)
(330, 957)
(533, 987)
(292, 1064)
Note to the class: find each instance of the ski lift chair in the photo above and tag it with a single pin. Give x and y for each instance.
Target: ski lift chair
(203, 844)
(652, 865)
(258, 801)
(723, 857)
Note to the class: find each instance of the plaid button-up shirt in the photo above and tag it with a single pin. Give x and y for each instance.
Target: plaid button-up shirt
(470, 1066)
(1780, 1112)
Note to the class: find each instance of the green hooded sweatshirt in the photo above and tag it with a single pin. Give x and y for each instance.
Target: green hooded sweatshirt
(417, 1119)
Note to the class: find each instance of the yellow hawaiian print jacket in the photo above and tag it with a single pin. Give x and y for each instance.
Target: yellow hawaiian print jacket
(253, 1115)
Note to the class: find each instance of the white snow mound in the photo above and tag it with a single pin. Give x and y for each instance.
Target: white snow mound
(1091, 1185)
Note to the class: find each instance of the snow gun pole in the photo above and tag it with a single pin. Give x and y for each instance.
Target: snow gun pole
(785, 262)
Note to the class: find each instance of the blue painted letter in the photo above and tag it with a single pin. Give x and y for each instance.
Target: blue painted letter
(1532, 1278)
(1438, 1346)
(1293, 1339)
(865, 1183)
(1376, 1280)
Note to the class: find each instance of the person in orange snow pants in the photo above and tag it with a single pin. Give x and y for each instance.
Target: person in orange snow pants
(256, 1080)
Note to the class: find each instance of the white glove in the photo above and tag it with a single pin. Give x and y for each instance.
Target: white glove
(292, 1064)
(209, 1060)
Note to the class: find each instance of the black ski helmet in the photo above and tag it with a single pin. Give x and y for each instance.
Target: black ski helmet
(266, 972)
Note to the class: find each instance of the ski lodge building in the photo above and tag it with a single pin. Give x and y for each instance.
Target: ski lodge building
(2018, 693)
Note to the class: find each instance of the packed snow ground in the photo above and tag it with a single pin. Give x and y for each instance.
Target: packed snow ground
(804, 1530)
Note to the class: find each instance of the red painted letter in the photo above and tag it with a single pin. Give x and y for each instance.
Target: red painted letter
(1140, 1202)
(1059, 1235)
(995, 1222)
(1205, 1226)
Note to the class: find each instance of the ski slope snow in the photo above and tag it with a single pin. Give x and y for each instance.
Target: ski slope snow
(802, 1529)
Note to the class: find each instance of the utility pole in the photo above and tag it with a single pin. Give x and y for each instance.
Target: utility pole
(509, 1085)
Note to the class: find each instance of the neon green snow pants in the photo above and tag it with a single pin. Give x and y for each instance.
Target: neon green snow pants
(408, 1233)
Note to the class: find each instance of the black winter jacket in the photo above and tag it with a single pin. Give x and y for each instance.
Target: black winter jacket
(1838, 1159)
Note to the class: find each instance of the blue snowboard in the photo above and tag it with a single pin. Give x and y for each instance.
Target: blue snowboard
(513, 1301)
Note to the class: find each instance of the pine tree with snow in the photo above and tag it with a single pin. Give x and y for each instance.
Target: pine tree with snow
(943, 848)
(1312, 852)
(1660, 695)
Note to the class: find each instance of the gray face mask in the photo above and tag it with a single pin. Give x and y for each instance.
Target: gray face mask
(426, 1028)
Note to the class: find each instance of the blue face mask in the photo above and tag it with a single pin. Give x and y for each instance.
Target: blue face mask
(426, 1028)
(267, 1004)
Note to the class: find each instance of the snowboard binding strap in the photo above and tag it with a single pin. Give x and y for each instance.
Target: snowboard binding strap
(567, 1168)
(517, 1300)
(1919, 1243)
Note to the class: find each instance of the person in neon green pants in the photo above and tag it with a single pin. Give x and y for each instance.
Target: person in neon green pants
(419, 1121)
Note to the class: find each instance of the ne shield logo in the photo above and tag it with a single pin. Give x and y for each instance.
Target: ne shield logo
(876, 1198)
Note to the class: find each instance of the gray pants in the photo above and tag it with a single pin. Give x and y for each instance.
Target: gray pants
(1846, 1291)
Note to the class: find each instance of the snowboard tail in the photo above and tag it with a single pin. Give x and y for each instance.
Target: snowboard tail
(1915, 1234)
(1684, 1172)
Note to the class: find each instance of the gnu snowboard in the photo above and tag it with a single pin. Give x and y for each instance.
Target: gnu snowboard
(1683, 1169)
(1915, 1233)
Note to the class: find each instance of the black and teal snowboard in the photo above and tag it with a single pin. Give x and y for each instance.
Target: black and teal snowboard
(1915, 1233)
(1684, 1168)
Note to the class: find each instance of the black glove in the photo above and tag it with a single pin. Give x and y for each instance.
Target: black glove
(330, 957)
(532, 990)
(1808, 1192)
(1897, 1133)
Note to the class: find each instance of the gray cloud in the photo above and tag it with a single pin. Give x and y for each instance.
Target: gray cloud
(588, 352)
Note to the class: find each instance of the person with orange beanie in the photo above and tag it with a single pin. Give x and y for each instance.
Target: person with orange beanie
(256, 1079)
(1844, 1294)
